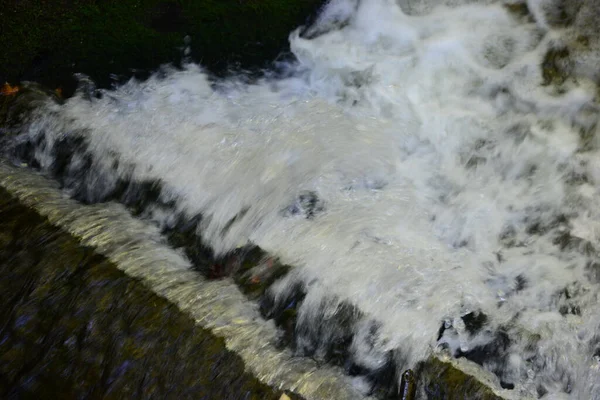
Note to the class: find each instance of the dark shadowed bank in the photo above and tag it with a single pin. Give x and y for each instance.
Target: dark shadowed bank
(48, 41)
(73, 326)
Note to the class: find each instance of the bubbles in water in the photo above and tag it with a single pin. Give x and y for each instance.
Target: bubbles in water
(428, 165)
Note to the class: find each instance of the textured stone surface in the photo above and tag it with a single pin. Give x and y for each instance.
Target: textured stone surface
(73, 326)
(440, 380)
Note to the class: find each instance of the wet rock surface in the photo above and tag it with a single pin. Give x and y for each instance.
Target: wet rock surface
(73, 326)
(441, 380)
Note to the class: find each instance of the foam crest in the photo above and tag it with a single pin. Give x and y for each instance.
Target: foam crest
(414, 165)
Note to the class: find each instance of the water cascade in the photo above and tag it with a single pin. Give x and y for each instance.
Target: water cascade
(420, 180)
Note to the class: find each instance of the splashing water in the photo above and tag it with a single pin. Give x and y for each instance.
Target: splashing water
(415, 163)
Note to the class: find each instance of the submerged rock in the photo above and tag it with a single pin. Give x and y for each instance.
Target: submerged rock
(307, 204)
(442, 380)
(554, 66)
(408, 386)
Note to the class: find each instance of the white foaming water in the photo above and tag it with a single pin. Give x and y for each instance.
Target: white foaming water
(138, 249)
(444, 166)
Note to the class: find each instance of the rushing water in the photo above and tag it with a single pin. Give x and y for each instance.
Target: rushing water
(138, 250)
(416, 161)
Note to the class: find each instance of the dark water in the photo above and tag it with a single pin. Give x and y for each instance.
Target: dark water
(111, 41)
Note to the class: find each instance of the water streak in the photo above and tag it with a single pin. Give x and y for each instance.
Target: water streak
(417, 163)
(139, 250)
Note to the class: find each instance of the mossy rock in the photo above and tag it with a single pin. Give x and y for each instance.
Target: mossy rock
(553, 66)
(519, 10)
(16, 107)
(441, 380)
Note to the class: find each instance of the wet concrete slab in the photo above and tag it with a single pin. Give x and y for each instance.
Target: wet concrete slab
(73, 326)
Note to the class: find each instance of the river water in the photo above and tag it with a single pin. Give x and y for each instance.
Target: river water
(434, 164)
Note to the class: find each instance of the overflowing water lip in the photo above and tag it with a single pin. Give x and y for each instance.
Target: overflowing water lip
(138, 249)
(424, 168)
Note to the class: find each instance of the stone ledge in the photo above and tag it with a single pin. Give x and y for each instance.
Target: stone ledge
(75, 326)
